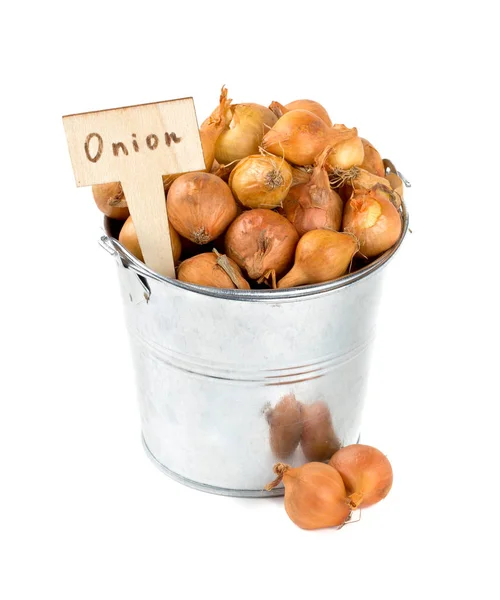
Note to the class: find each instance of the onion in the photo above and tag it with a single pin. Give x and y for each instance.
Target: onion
(315, 107)
(348, 151)
(285, 426)
(110, 200)
(212, 127)
(212, 269)
(314, 205)
(245, 127)
(321, 255)
(315, 495)
(200, 206)
(299, 136)
(318, 441)
(128, 239)
(397, 186)
(374, 220)
(372, 161)
(366, 473)
(262, 243)
(261, 181)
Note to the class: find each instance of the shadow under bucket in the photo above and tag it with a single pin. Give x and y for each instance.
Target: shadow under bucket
(232, 381)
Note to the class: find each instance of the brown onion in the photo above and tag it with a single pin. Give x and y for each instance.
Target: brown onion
(261, 181)
(285, 426)
(366, 473)
(200, 206)
(321, 255)
(397, 186)
(318, 441)
(110, 200)
(128, 238)
(299, 136)
(348, 150)
(315, 495)
(212, 269)
(314, 205)
(245, 127)
(262, 243)
(315, 107)
(372, 161)
(374, 220)
(212, 127)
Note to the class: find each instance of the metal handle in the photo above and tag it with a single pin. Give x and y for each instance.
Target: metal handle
(388, 164)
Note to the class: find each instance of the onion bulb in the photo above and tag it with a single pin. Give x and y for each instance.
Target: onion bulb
(299, 136)
(261, 181)
(321, 255)
(262, 243)
(242, 135)
(372, 161)
(128, 239)
(348, 148)
(315, 107)
(314, 205)
(110, 200)
(315, 495)
(397, 186)
(285, 426)
(374, 220)
(366, 473)
(200, 206)
(212, 127)
(318, 441)
(212, 269)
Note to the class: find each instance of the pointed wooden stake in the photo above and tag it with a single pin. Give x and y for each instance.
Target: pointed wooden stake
(136, 145)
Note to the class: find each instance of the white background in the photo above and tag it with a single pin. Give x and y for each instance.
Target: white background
(83, 513)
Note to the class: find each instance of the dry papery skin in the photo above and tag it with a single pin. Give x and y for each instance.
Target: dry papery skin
(314, 205)
(261, 181)
(262, 243)
(285, 426)
(374, 220)
(366, 472)
(245, 126)
(372, 161)
(321, 255)
(200, 206)
(128, 239)
(212, 269)
(315, 495)
(315, 107)
(212, 127)
(110, 200)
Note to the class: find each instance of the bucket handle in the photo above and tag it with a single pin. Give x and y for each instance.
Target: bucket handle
(123, 259)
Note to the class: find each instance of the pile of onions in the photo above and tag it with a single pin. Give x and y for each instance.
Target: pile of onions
(288, 198)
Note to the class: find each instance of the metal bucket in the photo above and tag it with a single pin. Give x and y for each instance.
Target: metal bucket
(212, 365)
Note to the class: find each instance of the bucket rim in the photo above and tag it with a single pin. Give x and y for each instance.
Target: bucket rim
(129, 261)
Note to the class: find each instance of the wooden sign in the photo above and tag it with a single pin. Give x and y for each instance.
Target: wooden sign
(136, 145)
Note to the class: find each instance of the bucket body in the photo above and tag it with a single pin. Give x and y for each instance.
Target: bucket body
(212, 366)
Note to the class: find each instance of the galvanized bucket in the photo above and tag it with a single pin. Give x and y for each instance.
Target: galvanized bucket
(213, 364)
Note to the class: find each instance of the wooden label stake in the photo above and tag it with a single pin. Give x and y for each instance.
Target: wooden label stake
(136, 145)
